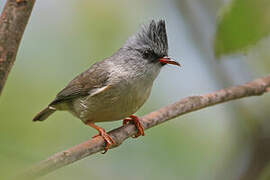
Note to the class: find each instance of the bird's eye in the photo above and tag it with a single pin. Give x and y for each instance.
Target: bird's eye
(146, 54)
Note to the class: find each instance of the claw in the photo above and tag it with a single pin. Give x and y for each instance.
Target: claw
(137, 123)
(107, 138)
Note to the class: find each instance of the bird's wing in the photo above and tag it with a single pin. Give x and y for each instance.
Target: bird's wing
(84, 84)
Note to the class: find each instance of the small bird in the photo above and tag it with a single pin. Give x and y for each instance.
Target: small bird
(116, 87)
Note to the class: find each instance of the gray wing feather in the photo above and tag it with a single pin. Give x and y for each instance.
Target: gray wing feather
(94, 77)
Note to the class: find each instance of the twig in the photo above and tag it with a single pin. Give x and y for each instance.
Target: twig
(13, 21)
(186, 105)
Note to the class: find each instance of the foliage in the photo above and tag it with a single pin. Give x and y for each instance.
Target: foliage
(242, 24)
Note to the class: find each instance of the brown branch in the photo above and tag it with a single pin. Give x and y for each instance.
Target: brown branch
(186, 105)
(13, 21)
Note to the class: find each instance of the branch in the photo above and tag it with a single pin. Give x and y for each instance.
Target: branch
(186, 105)
(13, 21)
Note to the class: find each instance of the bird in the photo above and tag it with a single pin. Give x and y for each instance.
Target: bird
(116, 87)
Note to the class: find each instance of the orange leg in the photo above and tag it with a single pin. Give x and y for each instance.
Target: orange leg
(108, 140)
(137, 123)
(20, 1)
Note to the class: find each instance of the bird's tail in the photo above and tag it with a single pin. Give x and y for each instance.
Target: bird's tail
(44, 114)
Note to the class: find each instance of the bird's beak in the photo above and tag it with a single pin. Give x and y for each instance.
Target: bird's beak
(168, 60)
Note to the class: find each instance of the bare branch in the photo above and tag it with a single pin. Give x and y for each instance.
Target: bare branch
(13, 21)
(186, 105)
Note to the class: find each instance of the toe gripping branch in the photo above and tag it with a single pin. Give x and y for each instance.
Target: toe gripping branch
(107, 138)
(137, 123)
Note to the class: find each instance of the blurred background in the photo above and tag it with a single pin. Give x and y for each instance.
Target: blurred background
(219, 44)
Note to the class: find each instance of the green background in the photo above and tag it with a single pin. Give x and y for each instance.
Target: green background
(63, 38)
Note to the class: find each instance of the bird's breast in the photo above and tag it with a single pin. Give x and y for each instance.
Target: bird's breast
(114, 103)
(127, 91)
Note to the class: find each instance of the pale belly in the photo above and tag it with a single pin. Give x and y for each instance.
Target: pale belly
(115, 103)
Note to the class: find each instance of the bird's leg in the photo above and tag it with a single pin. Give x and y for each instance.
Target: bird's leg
(20, 1)
(108, 140)
(137, 123)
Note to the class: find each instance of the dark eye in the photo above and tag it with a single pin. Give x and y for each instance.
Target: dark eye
(147, 54)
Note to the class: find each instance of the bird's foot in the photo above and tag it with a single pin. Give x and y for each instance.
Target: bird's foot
(21, 1)
(107, 138)
(136, 121)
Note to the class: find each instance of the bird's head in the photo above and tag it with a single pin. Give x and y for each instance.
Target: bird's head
(151, 43)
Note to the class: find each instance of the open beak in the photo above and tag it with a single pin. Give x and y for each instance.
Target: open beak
(168, 60)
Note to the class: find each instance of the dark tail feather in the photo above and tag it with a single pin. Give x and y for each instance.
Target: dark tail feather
(44, 114)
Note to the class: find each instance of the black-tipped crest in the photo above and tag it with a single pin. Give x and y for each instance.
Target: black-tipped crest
(152, 37)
